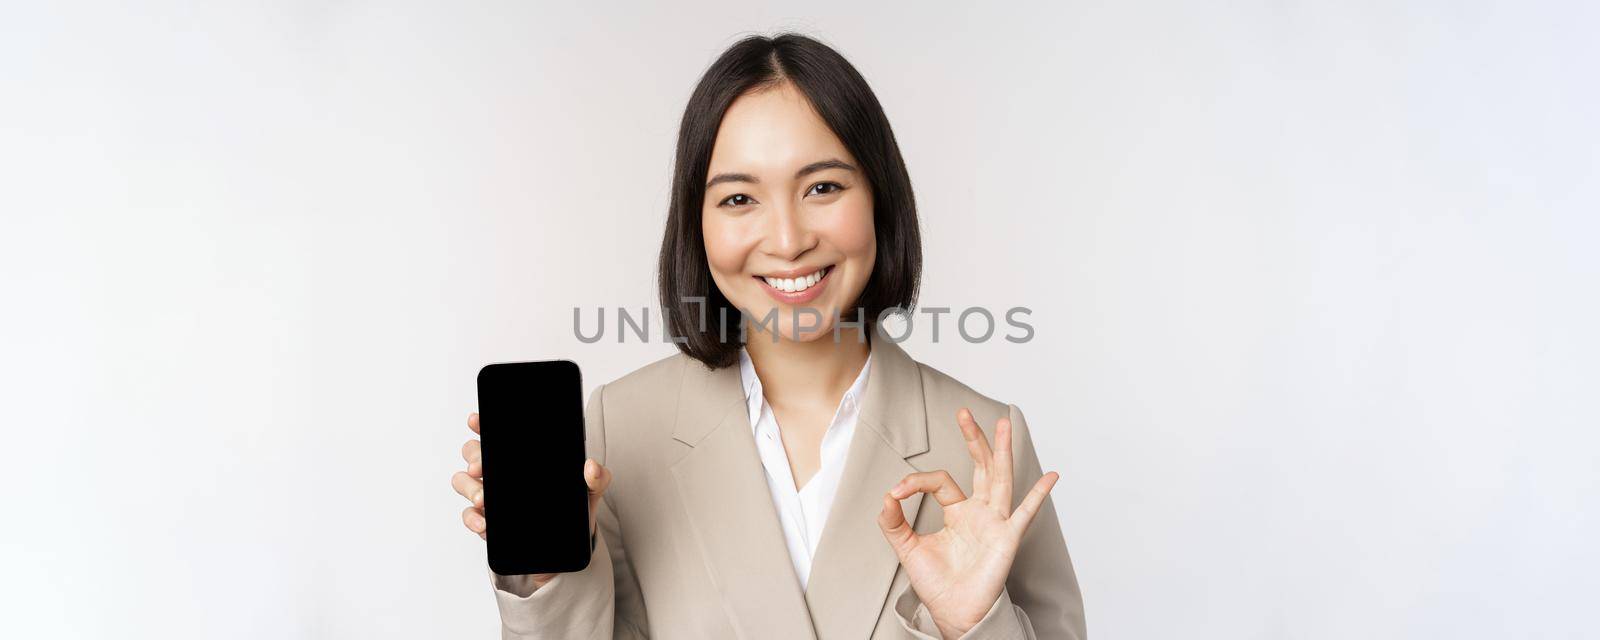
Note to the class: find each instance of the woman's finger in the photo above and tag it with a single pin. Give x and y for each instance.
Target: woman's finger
(892, 521)
(472, 452)
(978, 448)
(469, 487)
(474, 520)
(472, 421)
(1032, 502)
(597, 477)
(939, 483)
(1000, 479)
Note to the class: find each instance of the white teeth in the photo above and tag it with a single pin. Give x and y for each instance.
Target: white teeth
(793, 285)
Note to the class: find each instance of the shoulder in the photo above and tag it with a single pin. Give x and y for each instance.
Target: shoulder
(646, 388)
(639, 403)
(944, 395)
(665, 372)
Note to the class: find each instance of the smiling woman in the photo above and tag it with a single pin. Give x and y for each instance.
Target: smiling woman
(781, 240)
(787, 168)
(788, 496)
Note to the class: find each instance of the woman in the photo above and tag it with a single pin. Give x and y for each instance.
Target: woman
(792, 228)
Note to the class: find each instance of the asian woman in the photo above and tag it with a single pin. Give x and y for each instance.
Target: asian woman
(791, 472)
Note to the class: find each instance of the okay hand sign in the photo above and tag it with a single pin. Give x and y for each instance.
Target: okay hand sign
(960, 570)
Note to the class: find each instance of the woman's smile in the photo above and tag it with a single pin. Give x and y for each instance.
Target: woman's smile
(795, 286)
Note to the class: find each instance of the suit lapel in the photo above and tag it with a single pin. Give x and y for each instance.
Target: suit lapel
(725, 496)
(854, 566)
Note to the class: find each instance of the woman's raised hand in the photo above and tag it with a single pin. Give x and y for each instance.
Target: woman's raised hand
(960, 570)
(469, 484)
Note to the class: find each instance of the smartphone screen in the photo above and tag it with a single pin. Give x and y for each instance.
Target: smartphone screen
(530, 423)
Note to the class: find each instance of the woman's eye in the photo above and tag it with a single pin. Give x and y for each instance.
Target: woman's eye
(730, 200)
(831, 187)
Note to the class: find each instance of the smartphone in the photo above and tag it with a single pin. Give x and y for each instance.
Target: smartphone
(530, 425)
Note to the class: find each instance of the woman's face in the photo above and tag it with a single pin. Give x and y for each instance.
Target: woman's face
(787, 215)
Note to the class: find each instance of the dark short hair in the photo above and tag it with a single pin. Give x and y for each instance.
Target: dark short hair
(841, 96)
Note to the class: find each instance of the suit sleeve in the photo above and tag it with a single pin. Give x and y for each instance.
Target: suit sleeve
(602, 601)
(1041, 597)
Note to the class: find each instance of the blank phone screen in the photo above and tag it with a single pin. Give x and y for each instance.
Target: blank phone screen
(535, 503)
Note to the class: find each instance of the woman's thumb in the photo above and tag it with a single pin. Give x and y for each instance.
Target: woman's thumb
(596, 476)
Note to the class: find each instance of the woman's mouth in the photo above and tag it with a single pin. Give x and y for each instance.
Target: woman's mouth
(797, 288)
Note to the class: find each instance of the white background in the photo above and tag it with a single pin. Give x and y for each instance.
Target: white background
(1314, 287)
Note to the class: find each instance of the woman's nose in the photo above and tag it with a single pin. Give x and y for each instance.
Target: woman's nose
(789, 237)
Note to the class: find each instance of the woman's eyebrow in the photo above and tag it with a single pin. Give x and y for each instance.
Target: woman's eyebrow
(830, 163)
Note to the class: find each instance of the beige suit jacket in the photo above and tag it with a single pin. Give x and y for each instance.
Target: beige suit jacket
(690, 545)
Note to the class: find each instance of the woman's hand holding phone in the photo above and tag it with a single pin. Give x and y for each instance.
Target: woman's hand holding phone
(469, 484)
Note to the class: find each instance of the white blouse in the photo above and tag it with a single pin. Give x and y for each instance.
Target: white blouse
(802, 513)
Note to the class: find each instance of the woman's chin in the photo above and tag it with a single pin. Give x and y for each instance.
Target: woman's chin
(790, 333)
(812, 335)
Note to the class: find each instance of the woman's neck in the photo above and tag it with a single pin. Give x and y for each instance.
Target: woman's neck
(819, 371)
